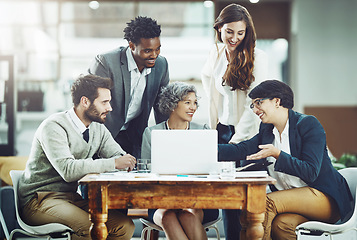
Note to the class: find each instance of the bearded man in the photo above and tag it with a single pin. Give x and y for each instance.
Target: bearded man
(62, 153)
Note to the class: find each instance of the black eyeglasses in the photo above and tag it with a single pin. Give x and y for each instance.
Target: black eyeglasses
(257, 103)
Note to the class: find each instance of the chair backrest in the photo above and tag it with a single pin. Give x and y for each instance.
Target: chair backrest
(36, 230)
(15, 177)
(350, 175)
(7, 211)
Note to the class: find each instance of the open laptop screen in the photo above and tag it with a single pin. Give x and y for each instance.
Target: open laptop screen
(183, 151)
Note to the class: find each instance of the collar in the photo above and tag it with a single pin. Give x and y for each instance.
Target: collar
(168, 127)
(132, 64)
(77, 122)
(285, 131)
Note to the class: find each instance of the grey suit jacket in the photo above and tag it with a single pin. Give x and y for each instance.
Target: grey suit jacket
(114, 64)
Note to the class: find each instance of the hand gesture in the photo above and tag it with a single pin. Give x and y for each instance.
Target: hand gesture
(267, 150)
(127, 161)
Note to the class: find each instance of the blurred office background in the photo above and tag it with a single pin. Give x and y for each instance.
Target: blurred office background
(45, 44)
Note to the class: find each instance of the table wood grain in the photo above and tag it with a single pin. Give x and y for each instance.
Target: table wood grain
(247, 194)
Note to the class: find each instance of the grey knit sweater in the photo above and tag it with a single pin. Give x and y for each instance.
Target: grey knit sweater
(60, 156)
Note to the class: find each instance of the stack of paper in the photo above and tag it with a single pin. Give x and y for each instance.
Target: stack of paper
(244, 174)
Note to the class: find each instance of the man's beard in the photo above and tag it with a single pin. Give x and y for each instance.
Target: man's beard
(93, 115)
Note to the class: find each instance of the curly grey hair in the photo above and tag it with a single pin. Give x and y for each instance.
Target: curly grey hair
(172, 94)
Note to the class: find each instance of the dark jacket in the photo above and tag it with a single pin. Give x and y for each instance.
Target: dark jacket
(308, 159)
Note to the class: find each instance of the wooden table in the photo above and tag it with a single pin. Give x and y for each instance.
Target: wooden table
(113, 192)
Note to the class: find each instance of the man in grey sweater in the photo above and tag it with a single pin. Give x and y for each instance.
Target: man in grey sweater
(62, 153)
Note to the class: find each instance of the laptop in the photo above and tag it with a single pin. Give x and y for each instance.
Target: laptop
(184, 151)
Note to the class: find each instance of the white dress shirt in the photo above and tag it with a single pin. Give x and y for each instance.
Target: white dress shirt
(138, 85)
(237, 112)
(76, 122)
(283, 181)
(225, 111)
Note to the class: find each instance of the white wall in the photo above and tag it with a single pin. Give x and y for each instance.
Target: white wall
(323, 54)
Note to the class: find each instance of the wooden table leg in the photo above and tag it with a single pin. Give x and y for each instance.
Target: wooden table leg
(97, 196)
(253, 217)
(244, 224)
(255, 228)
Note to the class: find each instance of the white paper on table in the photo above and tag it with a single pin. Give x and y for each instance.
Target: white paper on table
(243, 174)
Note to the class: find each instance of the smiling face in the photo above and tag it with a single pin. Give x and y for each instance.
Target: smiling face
(146, 52)
(266, 109)
(232, 34)
(98, 110)
(186, 108)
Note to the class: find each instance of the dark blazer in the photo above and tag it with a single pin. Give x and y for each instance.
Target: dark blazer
(308, 159)
(114, 64)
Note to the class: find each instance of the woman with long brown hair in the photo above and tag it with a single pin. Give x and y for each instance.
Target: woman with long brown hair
(234, 67)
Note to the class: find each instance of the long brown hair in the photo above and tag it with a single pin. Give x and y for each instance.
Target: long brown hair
(239, 74)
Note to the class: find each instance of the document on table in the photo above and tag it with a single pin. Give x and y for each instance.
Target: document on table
(123, 175)
(243, 174)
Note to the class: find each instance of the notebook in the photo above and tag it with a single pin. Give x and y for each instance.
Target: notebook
(183, 151)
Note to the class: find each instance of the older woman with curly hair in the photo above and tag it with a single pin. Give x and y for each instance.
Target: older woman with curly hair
(179, 100)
